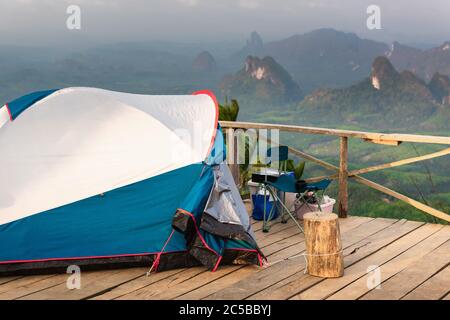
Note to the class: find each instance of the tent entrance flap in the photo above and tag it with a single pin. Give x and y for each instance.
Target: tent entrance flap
(218, 223)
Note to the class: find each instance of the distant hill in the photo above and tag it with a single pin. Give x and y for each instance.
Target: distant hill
(423, 63)
(386, 99)
(253, 47)
(204, 62)
(263, 80)
(440, 88)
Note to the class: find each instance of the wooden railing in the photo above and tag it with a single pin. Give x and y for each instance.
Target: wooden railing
(390, 139)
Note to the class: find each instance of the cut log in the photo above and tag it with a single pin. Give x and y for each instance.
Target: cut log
(323, 245)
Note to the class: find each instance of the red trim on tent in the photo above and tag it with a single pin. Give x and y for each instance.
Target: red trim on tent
(90, 257)
(261, 263)
(217, 264)
(120, 255)
(158, 256)
(9, 112)
(260, 259)
(198, 231)
(216, 104)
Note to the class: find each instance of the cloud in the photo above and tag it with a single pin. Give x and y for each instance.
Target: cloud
(249, 4)
(189, 3)
(44, 21)
(52, 3)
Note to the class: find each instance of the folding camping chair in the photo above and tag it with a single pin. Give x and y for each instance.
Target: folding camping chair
(287, 183)
(282, 152)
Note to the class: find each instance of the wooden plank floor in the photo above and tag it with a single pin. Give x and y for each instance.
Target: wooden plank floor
(412, 261)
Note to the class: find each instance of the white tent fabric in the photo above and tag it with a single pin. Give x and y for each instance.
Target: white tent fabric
(4, 116)
(81, 142)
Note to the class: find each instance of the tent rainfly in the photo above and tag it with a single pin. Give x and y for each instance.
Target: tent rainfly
(98, 178)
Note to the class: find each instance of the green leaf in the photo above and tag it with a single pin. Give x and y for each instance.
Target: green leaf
(299, 169)
(229, 111)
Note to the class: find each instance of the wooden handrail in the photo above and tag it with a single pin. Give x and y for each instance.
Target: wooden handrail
(343, 174)
(385, 165)
(385, 190)
(371, 136)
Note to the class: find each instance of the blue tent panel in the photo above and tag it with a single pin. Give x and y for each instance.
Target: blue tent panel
(19, 105)
(218, 151)
(196, 199)
(130, 220)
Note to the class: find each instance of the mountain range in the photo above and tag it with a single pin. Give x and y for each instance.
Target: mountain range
(331, 58)
(387, 99)
(295, 66)
(424, 63)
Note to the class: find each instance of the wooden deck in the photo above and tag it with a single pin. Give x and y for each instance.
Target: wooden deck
(413, 257)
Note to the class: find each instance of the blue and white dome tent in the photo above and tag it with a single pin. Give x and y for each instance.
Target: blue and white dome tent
(95, 177)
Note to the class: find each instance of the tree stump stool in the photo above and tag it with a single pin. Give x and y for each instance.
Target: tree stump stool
(323, 245)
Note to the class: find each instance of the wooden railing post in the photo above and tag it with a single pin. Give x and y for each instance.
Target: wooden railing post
(343, 178)
(232, 155)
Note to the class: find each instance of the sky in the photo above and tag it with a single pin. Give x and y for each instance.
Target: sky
(43, 22)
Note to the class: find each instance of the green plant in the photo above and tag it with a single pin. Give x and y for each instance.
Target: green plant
(229, 111)
(298, 168)
(245, 168)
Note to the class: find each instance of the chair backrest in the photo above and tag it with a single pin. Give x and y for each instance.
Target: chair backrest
(281, 153)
